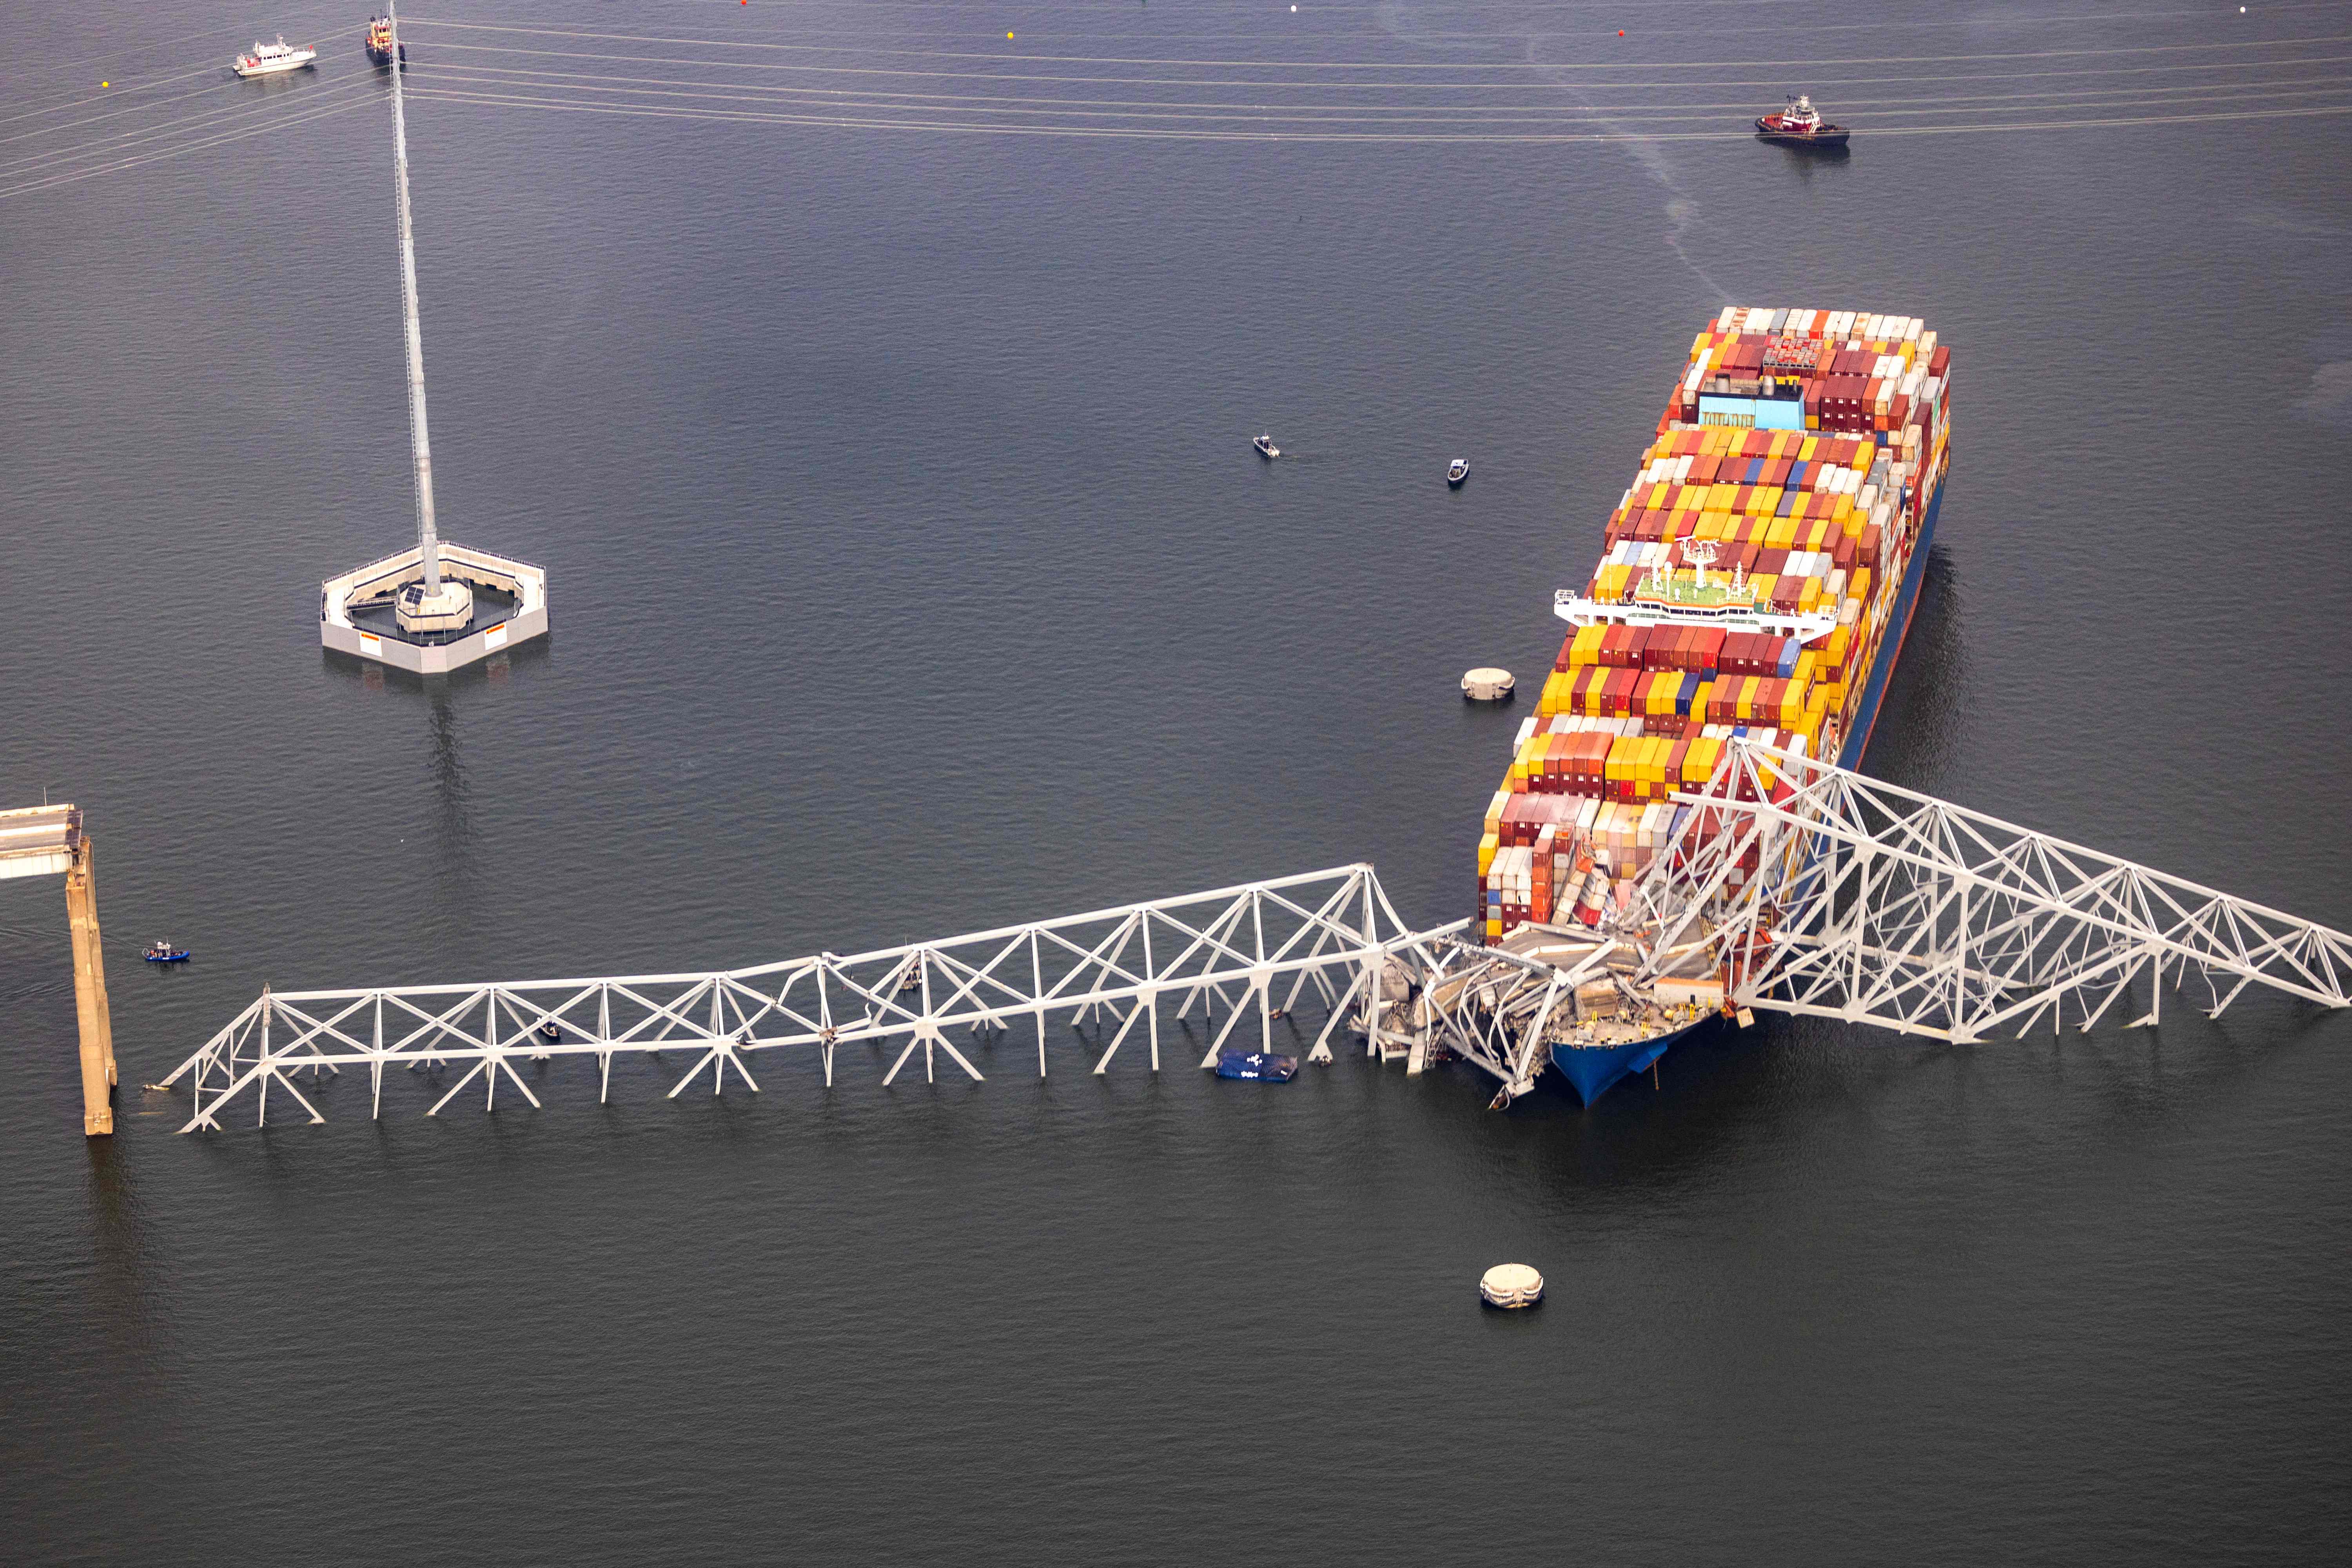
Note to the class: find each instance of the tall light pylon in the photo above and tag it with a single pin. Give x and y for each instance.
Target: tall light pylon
(428, 541)
(430, 592)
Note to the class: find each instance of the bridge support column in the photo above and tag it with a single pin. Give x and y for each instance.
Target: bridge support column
(97, 1073)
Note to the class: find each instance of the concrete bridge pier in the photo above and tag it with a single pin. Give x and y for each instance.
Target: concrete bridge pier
(97, 1071)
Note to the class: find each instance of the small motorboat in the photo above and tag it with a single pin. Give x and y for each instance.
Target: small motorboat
(379, 41)
(1257, 1066)
(551, 1032)
(1456, 471)
(268, 59)
(1265, 446)
(164, 952)
(1801, 125)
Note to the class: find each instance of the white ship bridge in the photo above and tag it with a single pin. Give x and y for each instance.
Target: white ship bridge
(1804, 888)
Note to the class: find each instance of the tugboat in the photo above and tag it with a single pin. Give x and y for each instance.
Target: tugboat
(1801, 125)
(1257, 1066)
(268, 59)
(379, 41)
(1456, 471)
(1265, 446)
(165, 953)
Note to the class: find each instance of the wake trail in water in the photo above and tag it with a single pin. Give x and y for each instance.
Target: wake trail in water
(1681, 209)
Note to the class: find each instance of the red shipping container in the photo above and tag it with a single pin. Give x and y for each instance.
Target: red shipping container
(1617, 697)
(1866, 554)
(1940, 362)
(1706, 647)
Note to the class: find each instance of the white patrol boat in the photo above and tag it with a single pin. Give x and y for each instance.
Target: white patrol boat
(268, 59)
(1662, 600)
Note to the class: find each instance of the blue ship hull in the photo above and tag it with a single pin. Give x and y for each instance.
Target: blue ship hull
(1592, 1071)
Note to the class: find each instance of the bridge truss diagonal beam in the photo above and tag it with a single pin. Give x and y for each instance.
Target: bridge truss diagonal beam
(1252, 949)
(1832, 895)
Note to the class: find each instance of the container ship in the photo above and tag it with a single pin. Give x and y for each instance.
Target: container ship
(1756, 579)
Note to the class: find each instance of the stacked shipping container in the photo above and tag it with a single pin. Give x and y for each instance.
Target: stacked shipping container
(1803, 449)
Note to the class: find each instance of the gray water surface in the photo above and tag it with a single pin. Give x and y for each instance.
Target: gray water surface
(911, 575)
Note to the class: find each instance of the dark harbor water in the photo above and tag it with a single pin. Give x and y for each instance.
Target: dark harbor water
(910, 575)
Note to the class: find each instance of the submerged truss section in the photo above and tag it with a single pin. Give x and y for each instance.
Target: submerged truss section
(1250, 952)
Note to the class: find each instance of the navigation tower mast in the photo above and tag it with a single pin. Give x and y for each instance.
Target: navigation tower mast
(429, 590)
(430, 603)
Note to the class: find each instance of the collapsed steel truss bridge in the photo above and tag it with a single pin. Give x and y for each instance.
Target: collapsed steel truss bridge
(1808, 890)
(1231, 949)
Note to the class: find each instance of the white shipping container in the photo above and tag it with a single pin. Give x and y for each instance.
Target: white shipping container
(1757, 317)
(1911, 329)
(1731, 313)
(1526, 728)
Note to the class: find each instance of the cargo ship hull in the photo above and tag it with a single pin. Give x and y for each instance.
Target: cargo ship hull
(1592, 1070)
(1758, 581)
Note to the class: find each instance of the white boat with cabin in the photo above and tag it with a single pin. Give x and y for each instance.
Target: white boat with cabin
(269, 60)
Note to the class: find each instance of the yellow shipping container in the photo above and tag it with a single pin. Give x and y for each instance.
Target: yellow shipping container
(1486, 847)
(1792, 712)
(1859, 583)
(1764, 583)
(1746, 707)
(1817, 533)
(1803, 672)
(1781, 534)
(1699, 702)
(1809, 595)
(1585, 647)
(1805, 452)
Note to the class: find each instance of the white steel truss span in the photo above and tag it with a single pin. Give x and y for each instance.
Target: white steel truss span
(1877, 904)
(1809, 889)
(1231, 949)
(1804, 887)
